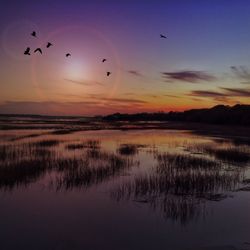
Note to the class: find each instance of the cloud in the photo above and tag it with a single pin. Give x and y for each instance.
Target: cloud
(225, 95)
(242, 73)
(85, 82)
(197, 99)
(188, 76)
(152, 95)
(206, 93)
(237, 92)
(216, 96)
(119, 100)
(172, 96)
(134, 72)
(129, 94)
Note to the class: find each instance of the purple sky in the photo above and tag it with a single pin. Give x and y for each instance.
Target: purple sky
(203, 62)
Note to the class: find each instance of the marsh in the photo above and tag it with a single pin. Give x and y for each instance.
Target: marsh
(75, 188)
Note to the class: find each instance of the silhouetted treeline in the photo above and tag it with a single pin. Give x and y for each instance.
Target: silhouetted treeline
(220, 114)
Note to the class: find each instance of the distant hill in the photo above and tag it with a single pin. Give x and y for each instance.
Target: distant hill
(220, 114)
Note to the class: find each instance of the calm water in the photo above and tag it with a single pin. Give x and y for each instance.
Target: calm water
(150, 189)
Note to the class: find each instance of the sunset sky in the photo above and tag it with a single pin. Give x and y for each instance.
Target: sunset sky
(204, 61)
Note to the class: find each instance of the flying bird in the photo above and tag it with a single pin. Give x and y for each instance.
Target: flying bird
(108, 73)
(38, 50)
(27, 51)
(104, 60)
(68, 54)
(162, 36)
(33, 33)
(49, 44)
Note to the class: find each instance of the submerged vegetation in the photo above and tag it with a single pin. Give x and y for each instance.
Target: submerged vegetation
(128, 149)
(168, 162)
(180, 184)
(88, 144)
(25, 137)
(84, 172)
(179, 178)
(62, 131)
(231, 154)
(25, 163)
(46, 143)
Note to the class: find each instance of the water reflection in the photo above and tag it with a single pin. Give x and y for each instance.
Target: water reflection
(26, 163)
(85, 172)
(130, 149)
(225, 151)
(180, 184)
(174, 175)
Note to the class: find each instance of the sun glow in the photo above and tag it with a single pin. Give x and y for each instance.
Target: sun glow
(76, 70)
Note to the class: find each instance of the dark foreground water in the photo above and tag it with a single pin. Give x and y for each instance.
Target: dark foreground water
(106, 189)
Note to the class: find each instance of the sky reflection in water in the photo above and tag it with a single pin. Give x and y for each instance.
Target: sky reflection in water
(119, 186)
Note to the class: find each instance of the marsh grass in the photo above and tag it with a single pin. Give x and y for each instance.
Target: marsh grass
(11, 153)
(88, 144)
(74, 146)
(64, 131)
(179, 184)
(22, 173)
(17, 138)
(179, 198)
(46, 143)
(4, 152)
(22, 164)
(92, 144)
(85, 172)
(180, 209)
(130, 149)
(14, 153)
(232, 155)
(227, 153)
(167, 161)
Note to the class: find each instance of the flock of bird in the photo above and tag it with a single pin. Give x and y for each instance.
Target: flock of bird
(27, 51)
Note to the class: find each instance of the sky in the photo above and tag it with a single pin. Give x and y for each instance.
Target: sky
(203, 62)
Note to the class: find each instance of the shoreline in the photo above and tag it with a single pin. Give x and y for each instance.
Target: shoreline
(197, 128)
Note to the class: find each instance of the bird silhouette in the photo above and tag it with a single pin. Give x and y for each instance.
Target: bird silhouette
(104, 60)
(108, 73)
(68, 54)
(33, 33)
(162, 36)
(27, 51)
(49, 44)
(38, 50)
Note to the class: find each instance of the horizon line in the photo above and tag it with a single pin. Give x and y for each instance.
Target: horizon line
(96, 115)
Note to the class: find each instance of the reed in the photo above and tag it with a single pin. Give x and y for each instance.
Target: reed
(231, 154)
(85, 172)
(130, 149)
(167, 161)
(127, 149)
(179, 184)
(25, 163)
(46, 143)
